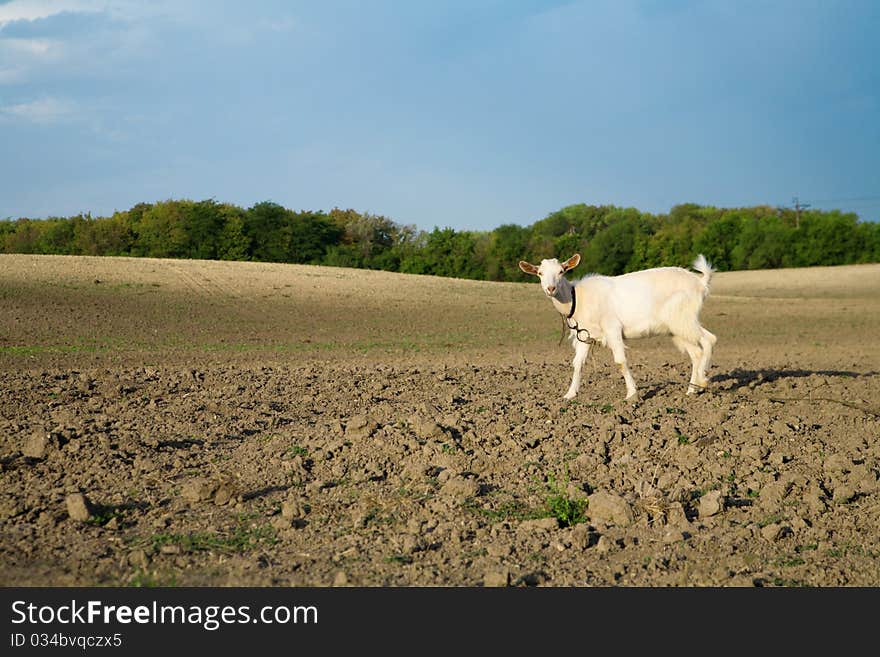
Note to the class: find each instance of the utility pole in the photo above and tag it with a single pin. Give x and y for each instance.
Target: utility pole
(797, 210)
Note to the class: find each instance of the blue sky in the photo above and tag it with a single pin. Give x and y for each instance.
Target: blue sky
(465, 114)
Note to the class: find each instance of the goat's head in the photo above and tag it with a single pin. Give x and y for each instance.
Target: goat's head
(550, 271)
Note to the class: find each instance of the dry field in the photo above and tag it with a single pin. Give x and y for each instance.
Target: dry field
(204, 423)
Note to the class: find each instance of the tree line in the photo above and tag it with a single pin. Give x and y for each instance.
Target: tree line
(611, 240)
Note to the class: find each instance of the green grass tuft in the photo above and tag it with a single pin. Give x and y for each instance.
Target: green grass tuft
(568, 511)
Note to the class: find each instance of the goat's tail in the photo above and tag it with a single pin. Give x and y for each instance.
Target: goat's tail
(702, 265)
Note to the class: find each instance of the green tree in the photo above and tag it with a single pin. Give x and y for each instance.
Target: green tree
(610, 239)
(203, 223)
(674, 235)
(408, 242)
(311, 234)
(613, 248)
(162, 231)
(55, 237)
(718, 239)
(568, 230)
(133, 219)
(827, 238)
(869, 238)
(506, 246)
(7, 231)
(446, 253)
(105, 236)
(233, 242)
(268, 227)
(764, 243)
(25, 236)
(364, 239)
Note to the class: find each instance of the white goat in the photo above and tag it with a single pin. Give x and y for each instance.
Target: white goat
(606, 310)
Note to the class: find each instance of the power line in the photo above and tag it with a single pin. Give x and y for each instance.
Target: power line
(797, 208)
(855, 203)
(847, 200)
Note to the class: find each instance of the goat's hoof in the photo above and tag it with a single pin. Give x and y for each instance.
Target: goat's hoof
(633, 398)
(569, 396)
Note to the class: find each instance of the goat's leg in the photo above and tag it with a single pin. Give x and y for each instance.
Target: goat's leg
(581, 350)
(614, 340)
(707, 342)
(695, 352)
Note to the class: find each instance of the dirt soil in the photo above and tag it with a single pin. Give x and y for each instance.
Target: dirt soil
(240, 424)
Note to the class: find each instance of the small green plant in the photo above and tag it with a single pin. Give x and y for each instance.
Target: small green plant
(848, 548)
(769, 520)
(373, 517)
(788, 583)
(683, 440)
(104, 514)
(476, 553)
(789, 561)
(399, 558)
(567, 510)
(241, 539)
(670, 410)
(512, 510)
(297, 450)
(143, 579)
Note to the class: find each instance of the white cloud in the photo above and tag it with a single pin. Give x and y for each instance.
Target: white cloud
(31, 10)
(11, 75)
(22, 55)
(122, 10)
(43, 111)
(27, 58)
(282, 24)
(28, 46)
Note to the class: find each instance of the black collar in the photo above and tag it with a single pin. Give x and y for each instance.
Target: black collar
(574, 302)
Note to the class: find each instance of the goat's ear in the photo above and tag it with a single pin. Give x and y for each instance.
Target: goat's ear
(572, 262)
(528, 268)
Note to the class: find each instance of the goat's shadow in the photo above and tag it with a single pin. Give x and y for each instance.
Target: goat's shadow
(743, 378)
(654, 389)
